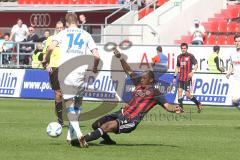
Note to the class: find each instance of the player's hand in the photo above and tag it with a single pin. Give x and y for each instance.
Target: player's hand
(95, 70)
(49, 69)
(44, 63)
(190, 75)
(116, 53)
(177, 109)
(174, 80)
(227, 76)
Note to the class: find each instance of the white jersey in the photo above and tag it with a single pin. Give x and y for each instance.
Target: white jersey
(73, 42)
(20, 33)
(235, 61)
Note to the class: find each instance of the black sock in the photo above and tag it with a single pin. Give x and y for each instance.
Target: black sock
(58, 108)
(195, 100)
(106, 137)
(180, 101)
(94, 135)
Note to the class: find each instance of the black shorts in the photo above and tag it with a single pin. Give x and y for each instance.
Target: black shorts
(54, 79)
(125, 125)
(185, 85)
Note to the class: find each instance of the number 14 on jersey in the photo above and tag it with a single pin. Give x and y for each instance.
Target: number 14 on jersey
(74, 39)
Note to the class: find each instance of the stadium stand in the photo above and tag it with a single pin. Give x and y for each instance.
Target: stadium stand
(67, 2)
(221, 28)
(150, 8)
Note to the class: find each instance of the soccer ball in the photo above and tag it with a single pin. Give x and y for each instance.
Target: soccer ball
(54, 129)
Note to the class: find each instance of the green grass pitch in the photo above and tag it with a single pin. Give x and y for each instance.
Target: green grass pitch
(213, 134)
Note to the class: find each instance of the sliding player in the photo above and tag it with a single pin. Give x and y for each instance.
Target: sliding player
(145, 97)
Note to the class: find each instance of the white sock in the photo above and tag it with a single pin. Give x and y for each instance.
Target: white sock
(71, 134)
(76, 128)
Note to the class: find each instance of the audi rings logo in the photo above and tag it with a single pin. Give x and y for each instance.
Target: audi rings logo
(40, 19)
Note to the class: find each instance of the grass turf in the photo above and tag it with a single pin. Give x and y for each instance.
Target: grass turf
(212, 135)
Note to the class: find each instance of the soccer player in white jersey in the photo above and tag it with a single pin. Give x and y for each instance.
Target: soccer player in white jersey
(74, 42)
(235, 69)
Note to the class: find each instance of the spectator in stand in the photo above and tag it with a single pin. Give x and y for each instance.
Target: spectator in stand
(45, 37)
(32, 37)
(83, 22)
(19, 31)
(6, 47)
(28, 47)
(198, 32)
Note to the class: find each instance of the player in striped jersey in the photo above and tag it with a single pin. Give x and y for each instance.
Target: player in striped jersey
(185, 63)
(145, 97)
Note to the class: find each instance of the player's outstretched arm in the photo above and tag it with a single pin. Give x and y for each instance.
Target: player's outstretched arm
(127, 69)
(171, 108)
(96, 60)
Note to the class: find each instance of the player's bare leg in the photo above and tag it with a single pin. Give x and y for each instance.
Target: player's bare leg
(73, 114)
(192, 98)
(172, 108)
(109, 126)
(106, 138)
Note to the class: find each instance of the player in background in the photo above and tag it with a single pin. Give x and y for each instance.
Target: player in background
(235, 69)
(74, 42)
(145, 97)
(185, 63)
(53, 72)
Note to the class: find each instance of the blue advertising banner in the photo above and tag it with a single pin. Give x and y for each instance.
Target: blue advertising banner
(163, 82)
(36, 85)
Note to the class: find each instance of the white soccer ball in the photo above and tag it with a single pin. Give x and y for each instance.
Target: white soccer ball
(54, 129)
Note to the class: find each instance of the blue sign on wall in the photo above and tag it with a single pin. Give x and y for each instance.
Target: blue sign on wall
(36, 85)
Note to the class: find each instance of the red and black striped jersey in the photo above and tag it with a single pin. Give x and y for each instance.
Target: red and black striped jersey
(185, 63)
(143, 100)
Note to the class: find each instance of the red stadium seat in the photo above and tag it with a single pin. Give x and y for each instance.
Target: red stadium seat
(103, 1)
(160, 2)
(26, 1)
(213, 27)
(64, 2)
(148, 10)
(20, 1)
(222, 26)
(210, 40)
(141, 14)
(230, 40)
(187, 39)
(221, 40)
(232, 26)
(112, 2)
(95, 1)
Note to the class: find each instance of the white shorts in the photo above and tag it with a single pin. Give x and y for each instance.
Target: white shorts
(235, 83)
(75, 85)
